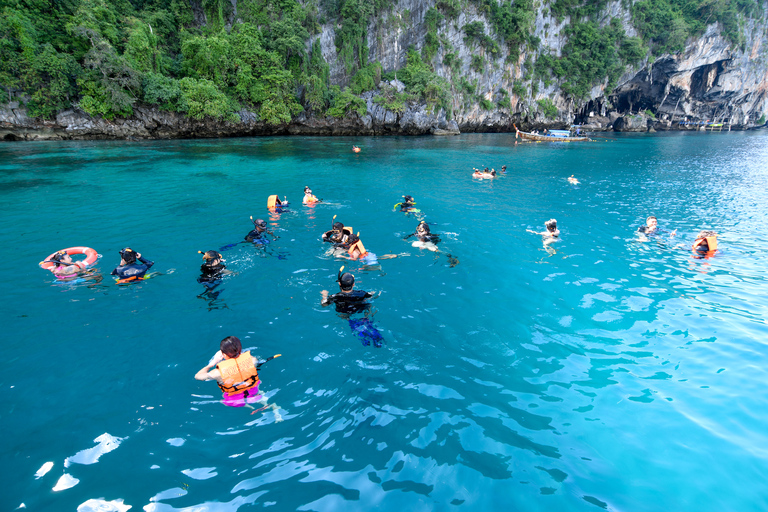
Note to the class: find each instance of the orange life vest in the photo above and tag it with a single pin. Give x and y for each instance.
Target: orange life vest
(348, 229)
(310, 199)
(711, 243)
(272, 201)
(360, 247)
(238, 374)
(129, 279)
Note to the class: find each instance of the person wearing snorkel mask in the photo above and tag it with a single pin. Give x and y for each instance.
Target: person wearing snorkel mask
(258, 235)
(65, 265)
(212, 268)
(129, 270)
(423, 234)
(337, 235)
(407, 204)
(308, 197)
(348, 300)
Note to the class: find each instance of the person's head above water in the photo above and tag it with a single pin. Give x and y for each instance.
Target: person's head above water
(231, 347)
(210, 256)
(338, 226)
(408, 199)
(260, 224)
(307, 190)
(551, 225)
(128, 255)
(705, 234)
(423, 227)
(346, 281)
(651, 221)
(62, 257)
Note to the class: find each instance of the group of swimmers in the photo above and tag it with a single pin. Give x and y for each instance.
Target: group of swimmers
(235, 371)
(487, 174)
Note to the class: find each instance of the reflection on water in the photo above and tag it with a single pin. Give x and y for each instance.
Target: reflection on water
(607, 370)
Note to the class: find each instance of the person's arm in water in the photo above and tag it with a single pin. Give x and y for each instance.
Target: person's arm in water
(326, 300)
(206, 373)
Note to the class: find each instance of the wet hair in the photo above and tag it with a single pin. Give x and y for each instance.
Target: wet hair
(651, 217)
(551, 224)
(128, 255)
(503, 166)
(408, 199)
(59, 256)
(230, 346)
(338, 226)
(705, 234)
(346, 281)
(425, 225)
(305, 189)
(210, 256)
(260, 223)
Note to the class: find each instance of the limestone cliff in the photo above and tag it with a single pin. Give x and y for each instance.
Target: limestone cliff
(710, 80)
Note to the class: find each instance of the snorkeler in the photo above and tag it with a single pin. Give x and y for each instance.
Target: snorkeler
(551, 232)
(274, 203)
(309, 198)
(348, 300)
(212, 268)
(651, 227)
(236, 373)
(355, 149)
(407, 205)
(258, 235)
(423, 234)
(129, 270)
(64, 265)
(572, 180)
(339, 235)
(503, 169)
(705, 244)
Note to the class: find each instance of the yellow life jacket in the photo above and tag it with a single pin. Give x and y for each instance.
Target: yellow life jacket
(238, 374)
(711, 243)
(272, 201)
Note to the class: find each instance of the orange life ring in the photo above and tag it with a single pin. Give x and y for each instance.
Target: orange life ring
(90, 258)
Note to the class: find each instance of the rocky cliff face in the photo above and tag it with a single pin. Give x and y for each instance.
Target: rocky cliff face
(711, 80)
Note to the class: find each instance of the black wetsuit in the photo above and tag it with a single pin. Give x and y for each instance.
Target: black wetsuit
(349, 303)
(210, 273)
(257, 237)
(406, 207)
(134, 270)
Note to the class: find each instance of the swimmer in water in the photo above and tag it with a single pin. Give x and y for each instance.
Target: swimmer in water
(572, 180)
(338, 235)
(355, 149)
(477, 173)
(64, 265)
(407, 205)
(308, 197)
(129, 270)
(651, 228)
(551, 235)
(236, 373)
(705, 244)
(212, 268)
(424, 235)
(503, 169)
(348, 301)
(258, 235)
(428, 240)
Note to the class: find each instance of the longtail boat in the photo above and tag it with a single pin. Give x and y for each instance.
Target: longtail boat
(555, 137)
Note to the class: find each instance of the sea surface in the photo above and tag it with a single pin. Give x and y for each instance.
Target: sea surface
(603, 371)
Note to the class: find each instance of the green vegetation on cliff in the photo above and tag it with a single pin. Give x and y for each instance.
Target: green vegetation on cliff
(212, 58)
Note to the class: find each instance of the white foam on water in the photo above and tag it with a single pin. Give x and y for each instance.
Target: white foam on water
(106, 443)
(43, 470)
(66, 481)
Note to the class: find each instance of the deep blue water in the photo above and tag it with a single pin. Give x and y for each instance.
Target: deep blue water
(600, 372)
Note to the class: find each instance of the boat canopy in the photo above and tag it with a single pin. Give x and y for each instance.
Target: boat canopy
(560, 133)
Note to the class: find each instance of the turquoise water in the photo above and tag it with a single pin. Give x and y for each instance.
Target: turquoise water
(598, 372)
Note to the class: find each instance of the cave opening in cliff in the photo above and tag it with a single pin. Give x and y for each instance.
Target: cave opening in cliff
(705, 77)
(632, 102)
